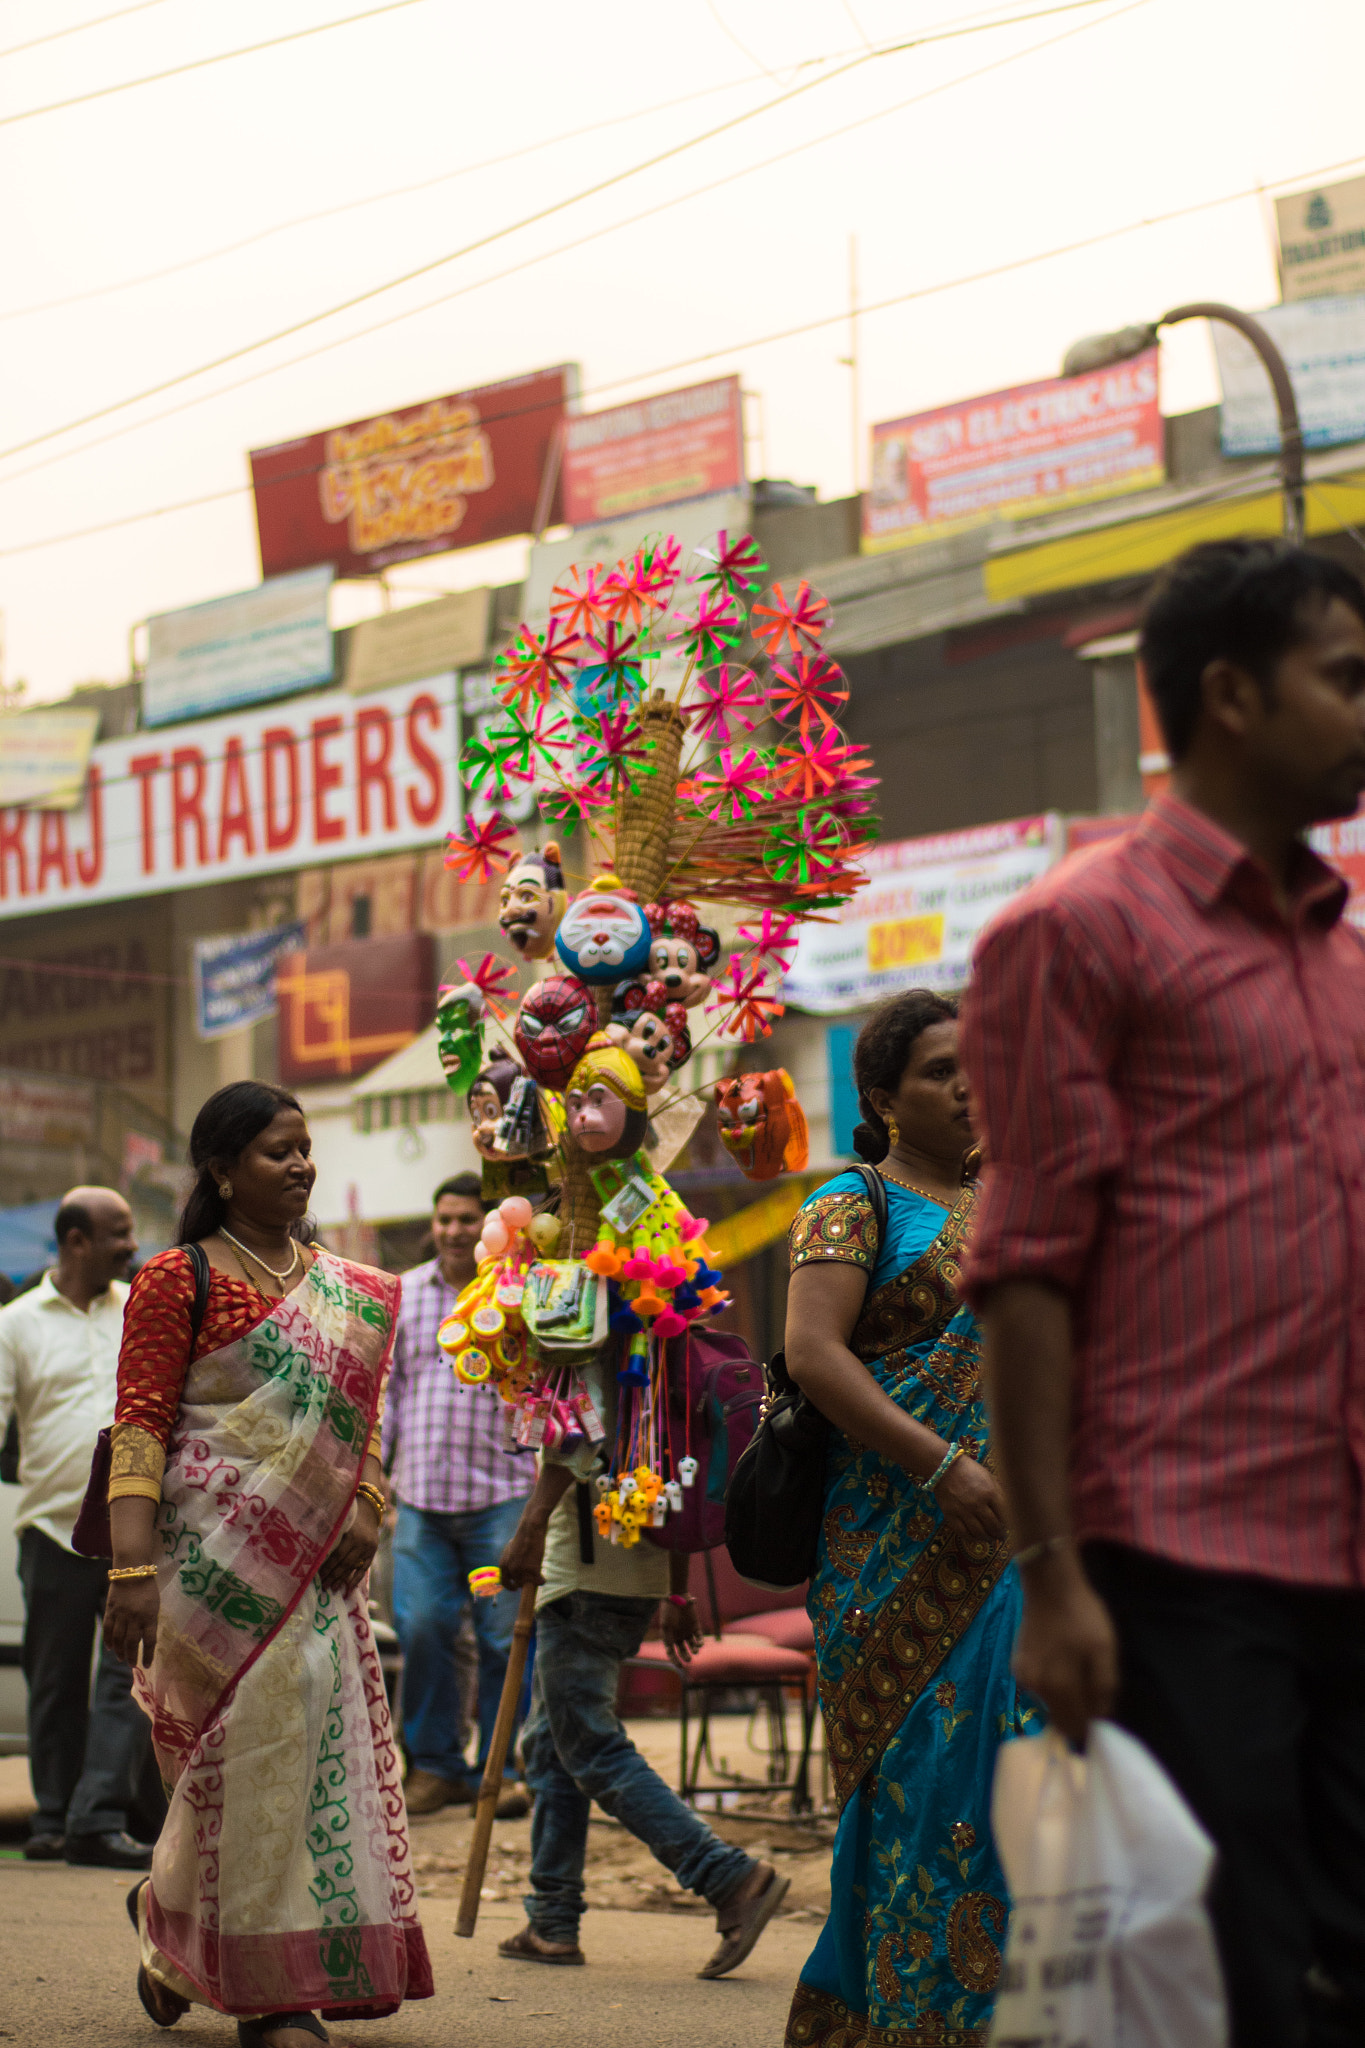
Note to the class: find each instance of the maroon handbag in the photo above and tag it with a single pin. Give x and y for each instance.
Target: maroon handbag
(91, 1536)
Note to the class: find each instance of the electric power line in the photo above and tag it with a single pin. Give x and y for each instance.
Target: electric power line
(104, 92)
(56, 34)
(543, 213)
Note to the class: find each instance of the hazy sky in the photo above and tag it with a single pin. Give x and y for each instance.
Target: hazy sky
(1088, 120)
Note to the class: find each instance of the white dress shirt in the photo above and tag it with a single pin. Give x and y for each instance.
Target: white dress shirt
(59, 1375)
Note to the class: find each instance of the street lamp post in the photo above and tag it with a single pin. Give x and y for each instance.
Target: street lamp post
(1098, 351)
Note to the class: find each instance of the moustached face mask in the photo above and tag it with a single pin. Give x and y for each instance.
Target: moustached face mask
(532, 903)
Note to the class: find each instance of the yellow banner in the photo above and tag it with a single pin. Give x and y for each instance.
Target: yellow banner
(762, 1223)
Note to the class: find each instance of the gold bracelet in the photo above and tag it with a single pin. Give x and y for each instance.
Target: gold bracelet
(374, 1497)
(133, 1571)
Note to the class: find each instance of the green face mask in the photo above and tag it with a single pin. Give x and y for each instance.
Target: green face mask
(459, 1040)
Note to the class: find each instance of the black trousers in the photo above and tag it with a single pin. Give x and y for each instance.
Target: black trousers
(1252, 1695)
(86, 1755)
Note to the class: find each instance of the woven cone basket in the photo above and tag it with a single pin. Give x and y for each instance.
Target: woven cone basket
(647, 813)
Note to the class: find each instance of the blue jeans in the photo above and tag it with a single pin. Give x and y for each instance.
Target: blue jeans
(576, 1750)
(433, 1556)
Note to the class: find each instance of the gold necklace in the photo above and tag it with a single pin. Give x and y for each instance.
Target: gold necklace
(248, 1253)
(900, 1184)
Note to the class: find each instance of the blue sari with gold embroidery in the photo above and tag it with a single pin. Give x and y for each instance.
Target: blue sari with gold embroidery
(913, 1632)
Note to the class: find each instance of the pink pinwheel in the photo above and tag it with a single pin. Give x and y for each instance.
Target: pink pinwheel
(495, 981)
(535, 664)
(736, 565)
(614, 746)
(797, 622)
(751, 1008)
(774, 940)
(812, 687)
(572, 801)
(579, 600)
(481, 850)
(715, 627)
(734, 788)
(617, 655)
(723, 695)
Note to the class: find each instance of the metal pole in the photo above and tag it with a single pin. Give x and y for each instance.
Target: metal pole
(1291, 433)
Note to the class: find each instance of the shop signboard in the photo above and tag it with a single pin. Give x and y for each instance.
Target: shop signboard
(419, 480)
(320, 779)
(87, 997)
(1323, 344)
(1014, 454)
(245, 649)
(346, 1007)
(234, 977)
(1322, 241)
(44, 756)
(1343, 844)
(658, 451)
(418, 640)
(917, 921)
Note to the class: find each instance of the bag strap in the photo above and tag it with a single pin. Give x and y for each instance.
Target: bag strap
(876, 1194)
(199, 1260)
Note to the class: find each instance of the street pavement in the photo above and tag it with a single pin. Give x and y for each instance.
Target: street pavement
(68, 1958)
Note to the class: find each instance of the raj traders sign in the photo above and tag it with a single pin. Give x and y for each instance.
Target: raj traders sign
(659, 451)
(1322, 241)
(417, 481)
(244, 649)
(1323, 344)
(916, 922)
(1015, 453)
(234, 977)
(321, 779)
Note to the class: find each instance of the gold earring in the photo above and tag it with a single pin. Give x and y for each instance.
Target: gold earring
(225, 1190)
(893, 1131)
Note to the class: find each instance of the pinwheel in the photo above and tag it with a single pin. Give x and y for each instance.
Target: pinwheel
(481, 851)
(572, 801)
(813, 767)
(495, 981)
(734, 788)
(515, 741)
(752, 1010)
(611, 745)
(580, 601)
(707, 634)
(813, 686)
(638, 586)
(807, 850)
(723, 695)
(797, 622)
(486, 772)
(736, 565)
(774, 940)
(535, 665)
(614, 657)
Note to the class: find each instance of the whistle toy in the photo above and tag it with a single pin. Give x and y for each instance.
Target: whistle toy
(687, 1470)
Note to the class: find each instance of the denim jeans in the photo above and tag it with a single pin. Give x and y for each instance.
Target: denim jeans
(576, 1750)
(85, 1753)
(433, 1556)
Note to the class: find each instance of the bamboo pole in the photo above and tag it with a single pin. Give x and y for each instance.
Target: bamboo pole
(491, 1788)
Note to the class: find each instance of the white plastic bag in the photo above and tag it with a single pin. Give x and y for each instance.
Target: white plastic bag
(1109, 1943)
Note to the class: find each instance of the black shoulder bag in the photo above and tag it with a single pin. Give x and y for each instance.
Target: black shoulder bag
(775, 1501)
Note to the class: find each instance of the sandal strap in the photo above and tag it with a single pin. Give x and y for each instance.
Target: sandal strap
(250, 2033)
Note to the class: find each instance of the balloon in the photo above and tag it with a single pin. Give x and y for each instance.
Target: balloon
(495, 1235)
(481, 1252)
(515, 1212)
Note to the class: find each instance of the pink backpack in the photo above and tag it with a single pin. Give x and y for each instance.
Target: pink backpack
(715, 1387)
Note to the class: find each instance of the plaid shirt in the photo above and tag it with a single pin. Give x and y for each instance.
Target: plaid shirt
(445, 1445)
(1170, 1084)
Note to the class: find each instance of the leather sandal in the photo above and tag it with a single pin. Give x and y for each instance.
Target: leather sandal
(750, 1919)
(149, 1993)
(256, 2033)
(522, 1947)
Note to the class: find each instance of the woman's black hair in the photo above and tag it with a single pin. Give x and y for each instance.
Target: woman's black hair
(223, 1129)
(882, 1054)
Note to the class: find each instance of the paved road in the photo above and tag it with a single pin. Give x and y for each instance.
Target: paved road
(67, 1963)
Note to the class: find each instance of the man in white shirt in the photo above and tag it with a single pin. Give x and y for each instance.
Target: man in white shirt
(59, 1347)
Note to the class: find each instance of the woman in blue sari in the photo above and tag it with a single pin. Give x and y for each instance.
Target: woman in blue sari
(914, 1600)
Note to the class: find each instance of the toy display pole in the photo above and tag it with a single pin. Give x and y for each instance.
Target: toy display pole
(648, 811)
(491, 1788)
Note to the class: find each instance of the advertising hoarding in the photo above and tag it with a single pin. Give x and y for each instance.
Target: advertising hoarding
(1323, 345)
(234, 977)
(317, 780)
(418, 640)
(244, 649)
(1322, 241)
(916, 922)
(658, 451)
(420, 480)
(1015, 453)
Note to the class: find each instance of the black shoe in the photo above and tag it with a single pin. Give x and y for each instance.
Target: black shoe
(45, 1848)
(115, 1851)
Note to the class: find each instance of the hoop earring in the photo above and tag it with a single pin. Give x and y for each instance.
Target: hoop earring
(893, 1132)
(225, 1190)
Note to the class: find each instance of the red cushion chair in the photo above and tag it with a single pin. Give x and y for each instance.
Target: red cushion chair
(736, 1661)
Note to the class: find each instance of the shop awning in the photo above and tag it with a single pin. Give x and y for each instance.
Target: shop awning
(407, 1088)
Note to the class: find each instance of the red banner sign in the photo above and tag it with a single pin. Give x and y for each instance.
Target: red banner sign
(659, 451)
(1015, 453)
(344, 1008)
(418, 481)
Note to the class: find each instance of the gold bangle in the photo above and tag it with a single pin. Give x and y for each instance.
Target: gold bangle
(374, 1497)
(133, 1571)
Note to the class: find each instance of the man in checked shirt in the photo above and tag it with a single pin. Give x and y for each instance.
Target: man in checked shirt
(1166, 1038)
(460, 1492)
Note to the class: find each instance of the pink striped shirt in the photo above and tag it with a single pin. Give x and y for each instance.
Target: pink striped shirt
(1170, 1084)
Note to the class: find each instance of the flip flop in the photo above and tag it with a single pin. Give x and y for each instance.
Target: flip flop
(739, 1940)
(522, 1949)
(256, 2033)
(144, 1982)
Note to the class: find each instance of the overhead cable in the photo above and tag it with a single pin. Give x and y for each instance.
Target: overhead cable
(55, 35)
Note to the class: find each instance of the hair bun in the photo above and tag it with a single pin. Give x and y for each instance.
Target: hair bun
(870, 1145)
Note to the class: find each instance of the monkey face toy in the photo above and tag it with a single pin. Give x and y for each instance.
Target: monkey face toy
(761, 1124)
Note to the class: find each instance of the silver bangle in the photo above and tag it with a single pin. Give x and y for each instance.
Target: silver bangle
(949, 1459)
(1033, 1551)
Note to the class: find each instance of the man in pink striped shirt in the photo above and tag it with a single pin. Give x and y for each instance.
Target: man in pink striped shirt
(1166, 1039)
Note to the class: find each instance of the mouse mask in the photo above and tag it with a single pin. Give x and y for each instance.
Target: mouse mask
(532, 902)
(682, 952)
